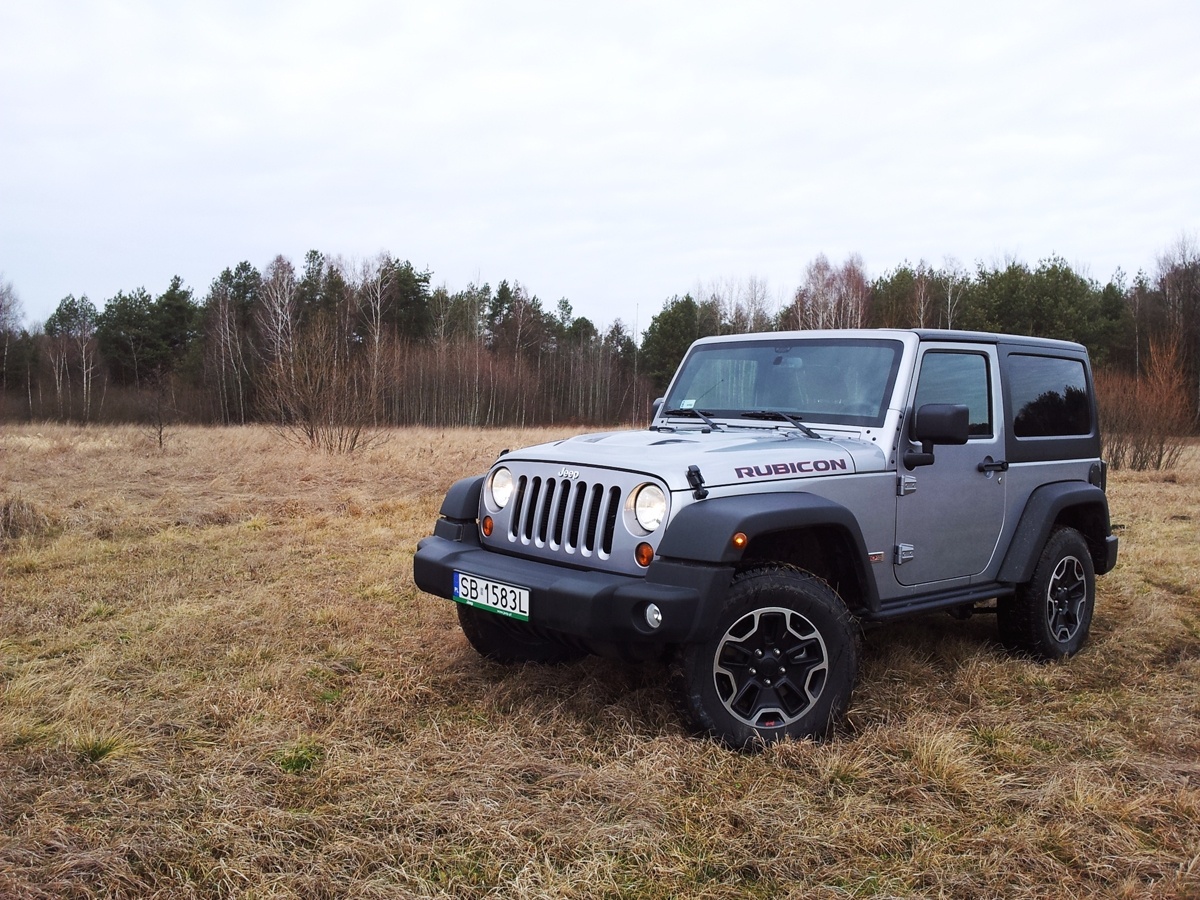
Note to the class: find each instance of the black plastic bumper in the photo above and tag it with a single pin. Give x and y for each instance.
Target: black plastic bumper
(594, 606)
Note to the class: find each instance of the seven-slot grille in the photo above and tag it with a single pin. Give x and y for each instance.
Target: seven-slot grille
(565, 515)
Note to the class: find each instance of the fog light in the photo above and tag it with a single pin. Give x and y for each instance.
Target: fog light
(653, 615)
(488, 525)
(643, 553)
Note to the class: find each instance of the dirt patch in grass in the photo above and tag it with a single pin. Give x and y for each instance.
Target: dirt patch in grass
(217, 679)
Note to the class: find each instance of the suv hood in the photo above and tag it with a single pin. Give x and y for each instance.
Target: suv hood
(740, 456)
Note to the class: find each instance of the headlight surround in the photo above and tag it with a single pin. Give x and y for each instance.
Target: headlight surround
(500, 487)
(649, 507)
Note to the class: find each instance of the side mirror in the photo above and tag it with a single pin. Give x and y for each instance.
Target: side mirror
(655, 407)
(936, 423)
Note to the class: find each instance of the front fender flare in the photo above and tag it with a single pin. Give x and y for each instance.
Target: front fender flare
(703, 532)
(461, 502)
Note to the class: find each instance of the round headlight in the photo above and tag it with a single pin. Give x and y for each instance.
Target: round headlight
(650, 506)
(501, 487)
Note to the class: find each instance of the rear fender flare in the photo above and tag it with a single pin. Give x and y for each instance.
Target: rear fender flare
(1085, 503)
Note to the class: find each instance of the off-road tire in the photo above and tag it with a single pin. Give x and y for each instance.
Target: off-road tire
(1049, 616)
(781, 663)
(509, 641)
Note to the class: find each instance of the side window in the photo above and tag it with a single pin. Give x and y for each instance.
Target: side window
(1049, 397)
(958, 377)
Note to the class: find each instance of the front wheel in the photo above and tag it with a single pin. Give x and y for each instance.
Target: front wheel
(782, 663)
(1050, 615)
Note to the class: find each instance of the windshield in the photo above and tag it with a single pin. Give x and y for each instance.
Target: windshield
(836, 381)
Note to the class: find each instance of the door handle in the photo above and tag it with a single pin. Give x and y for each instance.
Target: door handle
(992, 465)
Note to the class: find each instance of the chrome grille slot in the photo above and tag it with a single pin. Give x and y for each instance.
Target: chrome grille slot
(572, 541)
(610, 519)
(560, 515)
(518, 504)
(529, 515)
(595, 499)
(547, 505)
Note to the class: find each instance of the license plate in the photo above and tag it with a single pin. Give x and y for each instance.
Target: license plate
(505, 599)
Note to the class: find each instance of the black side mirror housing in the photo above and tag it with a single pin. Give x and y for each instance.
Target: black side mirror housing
(936, 423)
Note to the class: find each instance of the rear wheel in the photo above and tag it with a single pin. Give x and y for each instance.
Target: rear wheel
(1050, 615)
(782, 663)
(510, 641)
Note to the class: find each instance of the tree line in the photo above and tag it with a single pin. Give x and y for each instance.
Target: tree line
(337, 346)
(1121, 321)
(335, 343)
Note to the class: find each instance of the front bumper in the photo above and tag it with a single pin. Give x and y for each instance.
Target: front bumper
(591, 605)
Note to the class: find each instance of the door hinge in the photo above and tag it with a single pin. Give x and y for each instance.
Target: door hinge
(905, 485)
(905, 553)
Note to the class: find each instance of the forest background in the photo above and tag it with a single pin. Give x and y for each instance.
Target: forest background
(340, 346)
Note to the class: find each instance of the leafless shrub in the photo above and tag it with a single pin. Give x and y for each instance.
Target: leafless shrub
(1144, 419)
(321, 396)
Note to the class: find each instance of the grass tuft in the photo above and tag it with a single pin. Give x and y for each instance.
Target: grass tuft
(299, 756)
(95, 746)
(21, 518)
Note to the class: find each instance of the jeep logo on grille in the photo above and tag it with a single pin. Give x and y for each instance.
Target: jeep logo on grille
(564, 472)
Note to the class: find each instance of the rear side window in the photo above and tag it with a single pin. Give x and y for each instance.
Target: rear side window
(1049, 396)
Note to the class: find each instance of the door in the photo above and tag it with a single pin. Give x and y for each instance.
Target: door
(949, 514)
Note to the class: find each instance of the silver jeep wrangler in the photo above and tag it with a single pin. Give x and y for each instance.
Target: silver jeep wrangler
(791, 488)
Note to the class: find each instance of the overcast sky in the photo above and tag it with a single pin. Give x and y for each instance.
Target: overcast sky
(611, 153)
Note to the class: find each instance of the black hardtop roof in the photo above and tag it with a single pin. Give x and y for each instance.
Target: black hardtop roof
(987, 337)
(927, 335)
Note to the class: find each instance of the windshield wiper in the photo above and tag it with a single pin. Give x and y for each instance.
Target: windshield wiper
(775, 415)
(699, 414)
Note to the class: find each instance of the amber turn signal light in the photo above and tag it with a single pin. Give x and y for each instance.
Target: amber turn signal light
(644, 554)
(488, 525)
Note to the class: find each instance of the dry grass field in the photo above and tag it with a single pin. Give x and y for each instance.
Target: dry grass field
(217, 680)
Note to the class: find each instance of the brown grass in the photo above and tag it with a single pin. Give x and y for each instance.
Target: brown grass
(217, 680)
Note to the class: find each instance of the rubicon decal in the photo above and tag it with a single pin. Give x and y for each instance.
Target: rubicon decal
(804, 467)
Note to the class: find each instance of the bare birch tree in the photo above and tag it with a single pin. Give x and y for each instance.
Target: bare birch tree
(755, 299)
(10, 321)
(923, 311)
(277, 319)
(226, 355)
(955, 279)
(374, 278)
(72, 331)
(832, 298)
(277, 312)
(1179, 285)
